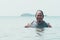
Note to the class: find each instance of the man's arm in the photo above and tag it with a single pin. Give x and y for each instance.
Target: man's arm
(28, 25)
(49, 25)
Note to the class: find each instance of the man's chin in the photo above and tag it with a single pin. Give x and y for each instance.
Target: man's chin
(39, 20)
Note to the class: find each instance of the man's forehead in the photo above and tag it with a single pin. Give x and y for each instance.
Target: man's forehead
(38, 11)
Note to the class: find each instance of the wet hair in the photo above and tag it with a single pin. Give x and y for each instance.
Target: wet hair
(40, 11)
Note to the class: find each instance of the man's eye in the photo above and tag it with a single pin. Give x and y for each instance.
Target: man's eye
(39, 15)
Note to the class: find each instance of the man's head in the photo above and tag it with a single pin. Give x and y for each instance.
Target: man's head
(39, 15)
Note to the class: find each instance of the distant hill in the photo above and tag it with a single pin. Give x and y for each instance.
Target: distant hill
(27, 14)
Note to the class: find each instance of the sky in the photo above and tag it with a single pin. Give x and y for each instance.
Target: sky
(18, 7)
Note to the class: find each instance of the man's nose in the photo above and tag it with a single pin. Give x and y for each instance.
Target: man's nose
(39, 16)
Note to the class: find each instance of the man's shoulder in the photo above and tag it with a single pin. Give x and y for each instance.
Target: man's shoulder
(47, 23)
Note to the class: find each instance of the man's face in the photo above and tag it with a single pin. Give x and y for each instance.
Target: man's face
(39, 16)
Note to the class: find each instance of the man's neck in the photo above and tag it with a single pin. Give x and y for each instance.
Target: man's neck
(40, 21)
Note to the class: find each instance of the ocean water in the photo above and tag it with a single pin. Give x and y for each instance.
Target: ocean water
(12, 28)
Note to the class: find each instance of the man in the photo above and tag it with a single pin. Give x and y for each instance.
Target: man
(39, 23)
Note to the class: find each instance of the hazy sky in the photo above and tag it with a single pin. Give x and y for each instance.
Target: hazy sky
(17, 7)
